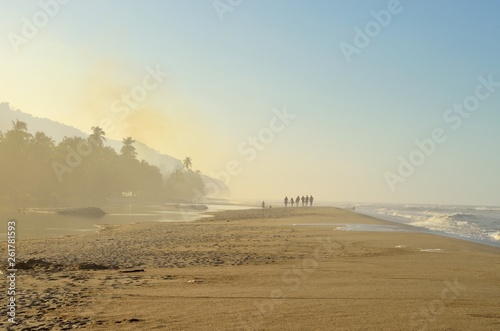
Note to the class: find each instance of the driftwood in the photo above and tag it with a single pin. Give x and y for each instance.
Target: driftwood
(134, 270)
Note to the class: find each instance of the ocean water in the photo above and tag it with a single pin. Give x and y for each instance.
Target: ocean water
(473, 223)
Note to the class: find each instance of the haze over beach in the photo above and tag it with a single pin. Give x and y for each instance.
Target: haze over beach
(149, 153)
(222, 72)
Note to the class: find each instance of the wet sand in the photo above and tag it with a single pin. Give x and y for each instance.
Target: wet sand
(257, 270)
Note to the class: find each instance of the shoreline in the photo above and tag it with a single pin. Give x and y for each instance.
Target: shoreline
(215, 217)
(204, 214)
(420, 229)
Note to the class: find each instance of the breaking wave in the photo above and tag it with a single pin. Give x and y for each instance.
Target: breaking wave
(457, 224)
(477, 223)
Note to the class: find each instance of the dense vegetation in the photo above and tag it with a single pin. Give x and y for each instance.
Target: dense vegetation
(34, 169)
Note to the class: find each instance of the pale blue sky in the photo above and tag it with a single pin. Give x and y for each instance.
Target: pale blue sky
(352, 121)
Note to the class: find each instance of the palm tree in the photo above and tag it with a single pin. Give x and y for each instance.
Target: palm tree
(19, 126)
(97, 136)
(176, 177)
(42, 146)
(72, 142)
(127, 149)
(43, 139)
(19, 134)
(187, 163)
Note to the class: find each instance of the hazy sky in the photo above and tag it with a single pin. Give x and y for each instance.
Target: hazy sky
(335, 93)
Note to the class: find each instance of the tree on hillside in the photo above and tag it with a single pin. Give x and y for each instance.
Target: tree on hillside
(17, 126)
(187, 162)
(40, 151)
(41, 138)
(176, 178)
(14, 158)
(97, 136)
(184, 184)
(19, 134)
(127, 149)
(42, 146)
(34, 169)
(25, 163)
(72, 143)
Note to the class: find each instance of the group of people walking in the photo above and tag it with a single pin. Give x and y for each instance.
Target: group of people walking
(306, 201)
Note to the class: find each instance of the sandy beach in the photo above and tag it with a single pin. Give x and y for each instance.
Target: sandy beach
(272, 269)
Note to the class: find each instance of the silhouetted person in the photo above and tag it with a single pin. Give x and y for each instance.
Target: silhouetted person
(291, 201)
(286, 201)
(307, 200)
(303, 200)
(263, 205)
(311, 199)
(297, 201)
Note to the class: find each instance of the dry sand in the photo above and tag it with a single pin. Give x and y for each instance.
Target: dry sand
(256, 270)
